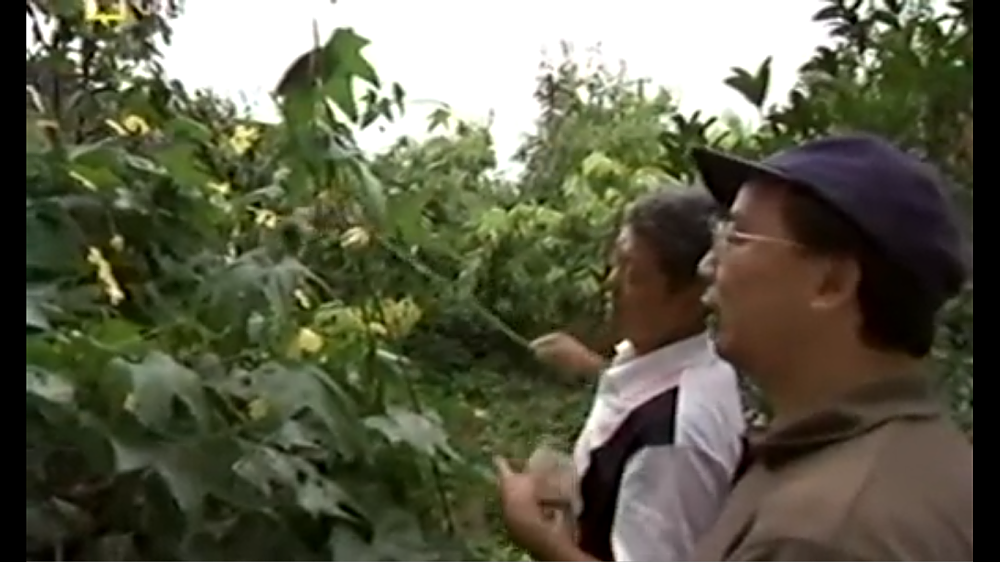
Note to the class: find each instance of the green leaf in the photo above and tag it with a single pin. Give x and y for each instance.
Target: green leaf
(370, 193)
(181, 164)
(254, 277)
(334, 66)
(158, 383)
(95, 178)
(54, 522)
(35, 318)
(423, 433)
(49, 386)
(753, 87)
(340, 91)
(397, 536)
(598, 165)
(439, 119)
(143, 164)
(191, 469)
(36, 135)
(399, 97)
(186, 128)
(300, 76)
(252, 535)
(117, 336)
(342, 64)
(305, 390)
(407, 212)
(274, 472)
(344, 58)
(104, 151)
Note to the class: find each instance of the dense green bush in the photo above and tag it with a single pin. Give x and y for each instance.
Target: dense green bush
(231, 326)
(194, 389)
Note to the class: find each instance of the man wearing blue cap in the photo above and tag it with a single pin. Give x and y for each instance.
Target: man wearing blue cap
(828, 277)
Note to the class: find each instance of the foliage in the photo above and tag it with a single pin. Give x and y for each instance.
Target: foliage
(233, 329)
(194, 389)
(902, 69)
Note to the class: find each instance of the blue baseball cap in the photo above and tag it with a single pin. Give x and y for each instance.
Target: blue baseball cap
(898, 201)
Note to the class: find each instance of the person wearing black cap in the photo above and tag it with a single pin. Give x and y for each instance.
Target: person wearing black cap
(828, 276)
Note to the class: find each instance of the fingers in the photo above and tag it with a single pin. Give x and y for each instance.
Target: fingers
(503, 467)
(545, 341)
(554, 344)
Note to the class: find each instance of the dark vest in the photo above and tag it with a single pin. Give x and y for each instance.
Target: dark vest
(652, 424)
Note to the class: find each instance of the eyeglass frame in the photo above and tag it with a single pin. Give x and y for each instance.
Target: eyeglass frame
(725, 233)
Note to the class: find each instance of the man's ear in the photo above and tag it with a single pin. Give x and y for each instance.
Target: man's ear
(837, 281)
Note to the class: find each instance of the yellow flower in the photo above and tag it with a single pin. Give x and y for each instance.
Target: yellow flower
(302, 298)
(132, 125)
(347, 319)
(220, 187)
(267, 219)
(117, 243)
(400, 316)
(243, 139)
(130, 402)
(355, 238)
(258, 409)
(106, 276)
(308, 341)
(136, 125)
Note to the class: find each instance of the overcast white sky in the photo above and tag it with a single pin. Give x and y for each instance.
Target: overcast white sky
(482, 55)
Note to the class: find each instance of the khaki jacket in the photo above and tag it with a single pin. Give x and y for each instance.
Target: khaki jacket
(881, 475)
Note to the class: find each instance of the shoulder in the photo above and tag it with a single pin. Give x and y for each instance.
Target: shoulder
(702, 411)
(711, 384)
(782, 549)
(813, 498)
(866, 497)
(710, 412)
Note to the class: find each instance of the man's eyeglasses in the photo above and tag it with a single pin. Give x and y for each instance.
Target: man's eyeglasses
(725, 235)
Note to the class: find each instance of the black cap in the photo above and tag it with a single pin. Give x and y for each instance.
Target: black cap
(897, 200)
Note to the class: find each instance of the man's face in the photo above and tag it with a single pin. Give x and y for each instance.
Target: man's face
(762, 280)
(638, 286)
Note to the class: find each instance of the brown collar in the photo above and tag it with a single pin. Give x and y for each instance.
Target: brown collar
(854, 414)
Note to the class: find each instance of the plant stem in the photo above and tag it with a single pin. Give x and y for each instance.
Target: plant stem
(492, 319)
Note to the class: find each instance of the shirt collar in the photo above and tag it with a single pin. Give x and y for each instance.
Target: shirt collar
(894, 398)
(638, 376)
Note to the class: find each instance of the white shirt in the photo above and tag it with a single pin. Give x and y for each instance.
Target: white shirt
(669, 495)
